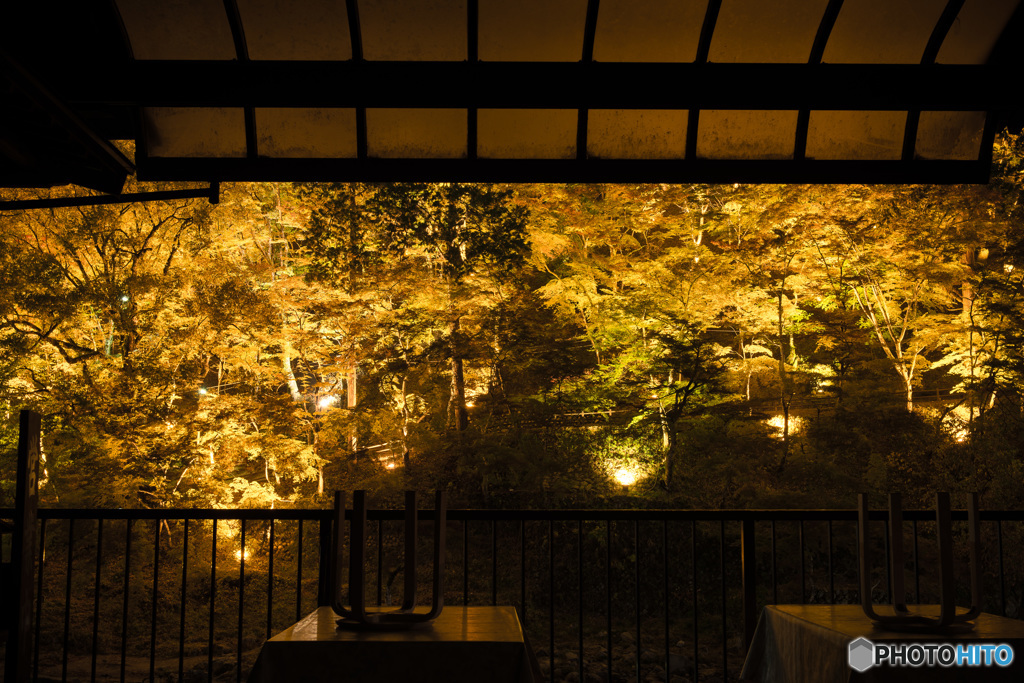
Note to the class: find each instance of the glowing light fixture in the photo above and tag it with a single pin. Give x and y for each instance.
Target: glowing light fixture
(778, 422)
(326, 402)
(125, 298)
(239, 555)
(625, 477)
(202, 391)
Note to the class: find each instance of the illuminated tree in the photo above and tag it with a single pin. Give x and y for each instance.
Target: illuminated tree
(125, 322)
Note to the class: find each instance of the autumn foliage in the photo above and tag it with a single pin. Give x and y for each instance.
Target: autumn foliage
(729, 345)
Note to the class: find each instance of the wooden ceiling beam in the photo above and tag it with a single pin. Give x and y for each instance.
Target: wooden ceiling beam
(547, 85)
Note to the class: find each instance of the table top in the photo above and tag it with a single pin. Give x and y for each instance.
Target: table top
(469, 644)
(851, 622)
(810, 643)
(454, 625)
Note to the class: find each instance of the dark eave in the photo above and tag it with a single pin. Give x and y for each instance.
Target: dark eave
(570, 170)
(45, 144)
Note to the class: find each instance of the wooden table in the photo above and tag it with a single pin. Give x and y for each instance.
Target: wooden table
(471, 644)
(809, 643)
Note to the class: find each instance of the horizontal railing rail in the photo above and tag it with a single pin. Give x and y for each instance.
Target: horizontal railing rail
(322, 514)
(620, 594)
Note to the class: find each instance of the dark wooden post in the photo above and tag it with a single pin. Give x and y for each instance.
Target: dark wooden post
(748, 561)
(18, 667)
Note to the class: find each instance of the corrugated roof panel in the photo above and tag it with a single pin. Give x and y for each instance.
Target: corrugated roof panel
(215, 132)
(177, 29)
(526, 133)
(949, 135)
(746, 134)
(882, 31)
(532, 30)
(974, 33)
(414, 30)
(856, 135)
(306, 133)
(636, 133)
(311, 30)
(648, 30)
(758, 31)
(416, 133)
(493, 89)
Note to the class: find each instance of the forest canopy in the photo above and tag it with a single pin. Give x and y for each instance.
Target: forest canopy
(556, 345)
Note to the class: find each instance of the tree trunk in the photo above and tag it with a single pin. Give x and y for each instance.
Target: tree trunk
(350, 403)
(668, 445)
(286, 365)
(405, 426)
(746, 364)
(457, 415)
(784, 383)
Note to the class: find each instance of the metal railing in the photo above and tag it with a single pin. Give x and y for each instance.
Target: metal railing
(624, 594)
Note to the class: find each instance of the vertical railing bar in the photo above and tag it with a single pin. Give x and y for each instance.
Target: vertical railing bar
(152, 624)
(213, 602)
(96, 598)
(380, 563)
(298, 577)
(184, 599)
(888, 562)
(748, 579)
(1002, 574)
(693, 555)
(323, 589)
(465, 562)
(39, 599)
(67, 600)
(775, 578)
(668, 630)
(579, 589)
(494, 562)
(803, 575)
(270, 581)
(551, 598)
(466, 531)
(241, 600)
(608, 590)
(636, 579)
(917, 573)
(725, 638)
(831, 573)
(127, 586)
(522, 568)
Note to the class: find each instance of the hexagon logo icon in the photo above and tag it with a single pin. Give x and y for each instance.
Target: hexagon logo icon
(861, 655)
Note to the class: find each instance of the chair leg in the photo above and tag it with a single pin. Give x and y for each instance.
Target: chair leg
(947, 587)
(899, 594)
(357, 557)
(440, 542)
(356, 614)
(338, 556)
(411, 538)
